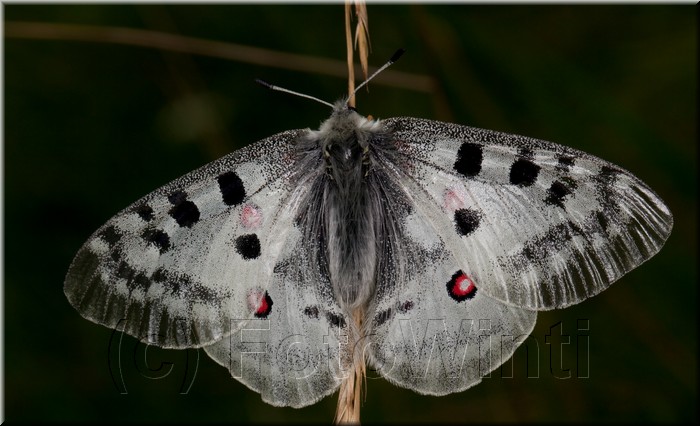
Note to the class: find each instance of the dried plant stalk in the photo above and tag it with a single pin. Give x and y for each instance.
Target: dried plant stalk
(361, 43)
(348, 409)
(362, 36)
(349, 50)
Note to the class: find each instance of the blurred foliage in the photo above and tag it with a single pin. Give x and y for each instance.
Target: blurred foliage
(92, 126)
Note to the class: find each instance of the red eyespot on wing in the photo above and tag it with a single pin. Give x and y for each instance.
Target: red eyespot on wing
(461, 287)
(251, 216)
(260, 303)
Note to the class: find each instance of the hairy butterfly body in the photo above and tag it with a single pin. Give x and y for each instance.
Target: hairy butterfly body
(422, 248)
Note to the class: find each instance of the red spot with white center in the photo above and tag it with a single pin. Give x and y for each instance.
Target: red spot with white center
(251, 216)
(453, 199)
(260, 303)
(461, 287)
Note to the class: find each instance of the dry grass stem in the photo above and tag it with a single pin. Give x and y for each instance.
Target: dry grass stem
(362, 36)
(349, 50)
(349, 395)
(361, 43)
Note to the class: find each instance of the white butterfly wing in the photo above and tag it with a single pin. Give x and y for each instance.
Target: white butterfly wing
(437, 333)
(533, 224)
(183, 266)
(499, 226)
(298, 354)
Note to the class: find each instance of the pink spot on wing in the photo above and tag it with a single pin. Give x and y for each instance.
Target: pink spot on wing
(260, 303)
(251, 216)
(253, 299)
(453, 199)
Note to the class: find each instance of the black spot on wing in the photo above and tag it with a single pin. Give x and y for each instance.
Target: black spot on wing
(602, 219)
(185, 287)
(158, 238)
(111, 235)
(248, 246)
(311, 312)
(565, 162)
(383, 317)
(608, 174)
(177, 197)
(184, 212)
(552, 241)
(406, 306)
(116, 254)
(469, 158)
(558, 191)
(335, 320)
(134, 279)
(466, 221)
(389, 313)
(523, 172)
(145, 212)
(231, 187)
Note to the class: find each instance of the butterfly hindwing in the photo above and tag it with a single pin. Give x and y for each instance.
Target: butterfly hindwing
(175, 267)
(296, 351)
(539, 225)
(436, 333)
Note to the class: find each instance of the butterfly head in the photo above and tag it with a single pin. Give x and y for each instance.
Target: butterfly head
(343, 115)
(344, 140)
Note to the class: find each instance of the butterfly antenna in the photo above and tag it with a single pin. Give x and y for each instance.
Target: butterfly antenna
(395, 57)
(282, 89)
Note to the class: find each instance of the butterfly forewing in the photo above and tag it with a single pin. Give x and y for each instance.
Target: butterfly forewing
(538, 225)
(175, 267)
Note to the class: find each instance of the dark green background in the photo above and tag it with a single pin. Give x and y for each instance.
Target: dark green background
(91, 127)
